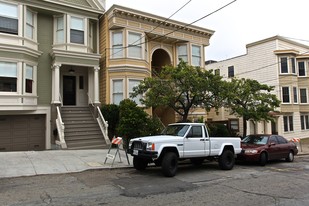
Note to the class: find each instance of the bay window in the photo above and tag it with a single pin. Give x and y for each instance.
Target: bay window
(288, 123)
(303, 95)
(117, 44)
(117, 91)
(133, 83)
(29, 79)
(29, 24)
(8, 77)
(182, 52)
(285, 95)
(77, 30)
(135, 45)
(196, 56)
(60, 34)
(8, 18)
(304, 122)
(284, 65)
(301, 69)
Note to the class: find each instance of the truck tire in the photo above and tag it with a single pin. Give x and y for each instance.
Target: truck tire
(139, 163)
(226, 160)
(169, 164)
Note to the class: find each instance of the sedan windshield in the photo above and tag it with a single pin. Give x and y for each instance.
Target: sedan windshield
(253, 139)
(176, 130)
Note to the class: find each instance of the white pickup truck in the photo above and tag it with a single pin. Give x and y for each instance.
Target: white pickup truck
(181, 141)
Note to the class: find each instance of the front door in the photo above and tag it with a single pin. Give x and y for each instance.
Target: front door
(195, 142)
(69, 90)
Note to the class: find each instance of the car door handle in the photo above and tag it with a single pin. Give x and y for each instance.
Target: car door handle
(202, 139)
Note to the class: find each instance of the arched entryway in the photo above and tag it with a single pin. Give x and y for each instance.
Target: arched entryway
(161, 58)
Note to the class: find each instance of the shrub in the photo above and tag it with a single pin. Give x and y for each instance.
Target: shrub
(110, 113)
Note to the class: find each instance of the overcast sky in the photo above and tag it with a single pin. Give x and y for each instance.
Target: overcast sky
(241, 23)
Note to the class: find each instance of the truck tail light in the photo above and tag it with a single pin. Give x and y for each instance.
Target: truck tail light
(153, 147)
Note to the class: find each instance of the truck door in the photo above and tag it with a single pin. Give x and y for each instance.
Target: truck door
(194, 142)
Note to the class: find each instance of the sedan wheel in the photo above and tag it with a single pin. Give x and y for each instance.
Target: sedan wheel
(263, 159)
(290, 158)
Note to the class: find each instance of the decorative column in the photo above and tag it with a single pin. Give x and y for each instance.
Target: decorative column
(56, 84)
(96, 86)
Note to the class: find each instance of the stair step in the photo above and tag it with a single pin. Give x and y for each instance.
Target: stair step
(86, 143)
(89, 147)
(84, 137)
(82, 129)
(82, 133)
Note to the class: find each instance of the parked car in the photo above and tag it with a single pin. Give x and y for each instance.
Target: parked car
(261, 148)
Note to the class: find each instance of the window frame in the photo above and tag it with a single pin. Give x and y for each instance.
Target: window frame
(195, 56)
(288, 125)
(293, 64)
(11, 78)
(231, 71)
(113, 92)
(136, 44)
(12, 18)
(287, 65)
(301, 97)
(295, 95)
(303, 69)
(58, 30)
(33, 26)
(81, 31)
(118, 47)
(283, 97)
(129, 92)
(180, 55)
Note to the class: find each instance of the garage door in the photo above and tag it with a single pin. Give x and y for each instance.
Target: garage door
(22, 133)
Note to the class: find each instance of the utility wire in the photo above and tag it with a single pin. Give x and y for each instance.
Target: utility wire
(186, 25)
(133, 44)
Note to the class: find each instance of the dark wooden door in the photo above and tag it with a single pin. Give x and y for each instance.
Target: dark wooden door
(69, 90)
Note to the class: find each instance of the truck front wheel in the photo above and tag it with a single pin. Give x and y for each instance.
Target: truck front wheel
(226, 160)
(139, 163)
(169, 164)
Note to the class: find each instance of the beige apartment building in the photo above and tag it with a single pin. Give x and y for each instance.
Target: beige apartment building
(278, 62)
(136, 45)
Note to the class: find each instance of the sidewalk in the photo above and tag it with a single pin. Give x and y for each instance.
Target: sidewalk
(17, 164)
(29, 163)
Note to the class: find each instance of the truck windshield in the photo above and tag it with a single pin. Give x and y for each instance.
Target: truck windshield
(176, 130)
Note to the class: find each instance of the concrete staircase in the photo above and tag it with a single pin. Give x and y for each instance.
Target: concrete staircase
(82, 130)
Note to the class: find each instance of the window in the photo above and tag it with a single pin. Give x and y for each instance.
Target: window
(29, 79)
(304, 122)
(132, 84)
(301, 69)
(231, 71)
(293, 65)
(135, 45)
(90, 35)
(77, 30)
(8, 18)
(196, 55)
(117, 91)
(285, 94)
(30, 24)
(217, 72)
(284, 65)
(234, 124)
(281, 140)
(182, 52)
(195, 131)
(303, 95)
(117, 45)
(295, 97)
(60, 30)
(8, 77)
(288, 123)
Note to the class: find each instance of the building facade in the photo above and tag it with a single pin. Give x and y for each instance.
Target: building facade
(49, 59)
(278, 62)
(136, 45)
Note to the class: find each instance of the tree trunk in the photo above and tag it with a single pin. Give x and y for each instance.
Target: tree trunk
(244, 124)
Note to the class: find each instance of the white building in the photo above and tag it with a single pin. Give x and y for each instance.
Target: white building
(277, 62)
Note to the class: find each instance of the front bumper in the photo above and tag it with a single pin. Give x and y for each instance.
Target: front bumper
(143, 153)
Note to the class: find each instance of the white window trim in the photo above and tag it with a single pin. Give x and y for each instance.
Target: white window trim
(297, 95)
(295, 64)
(111, 44)
(142, 42)
(289, 95)
(68, 30)
(64, 29)
(20, 22)
(201, 53)
(288, 67)
(112, 88)
(19, 78)
(304, 116)
(34, 38)
(300, 95)
(128, 92)
(288, 119)
(177, 54)
(305, 65)
(34, 73)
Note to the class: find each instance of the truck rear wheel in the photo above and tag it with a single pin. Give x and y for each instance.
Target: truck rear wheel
(226, 160)
(169, 164)
(139, 163)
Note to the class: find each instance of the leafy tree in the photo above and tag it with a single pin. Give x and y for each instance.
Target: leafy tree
(181, 88)
(251, 100)
(110, 113)
(135, 122)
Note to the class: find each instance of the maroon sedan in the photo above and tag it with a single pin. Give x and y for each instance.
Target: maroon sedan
(261, 148)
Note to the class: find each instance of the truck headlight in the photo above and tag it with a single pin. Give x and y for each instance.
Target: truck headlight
(251, 151)
(150, 146)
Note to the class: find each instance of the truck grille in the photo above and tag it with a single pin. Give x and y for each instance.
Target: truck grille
(138, 145)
